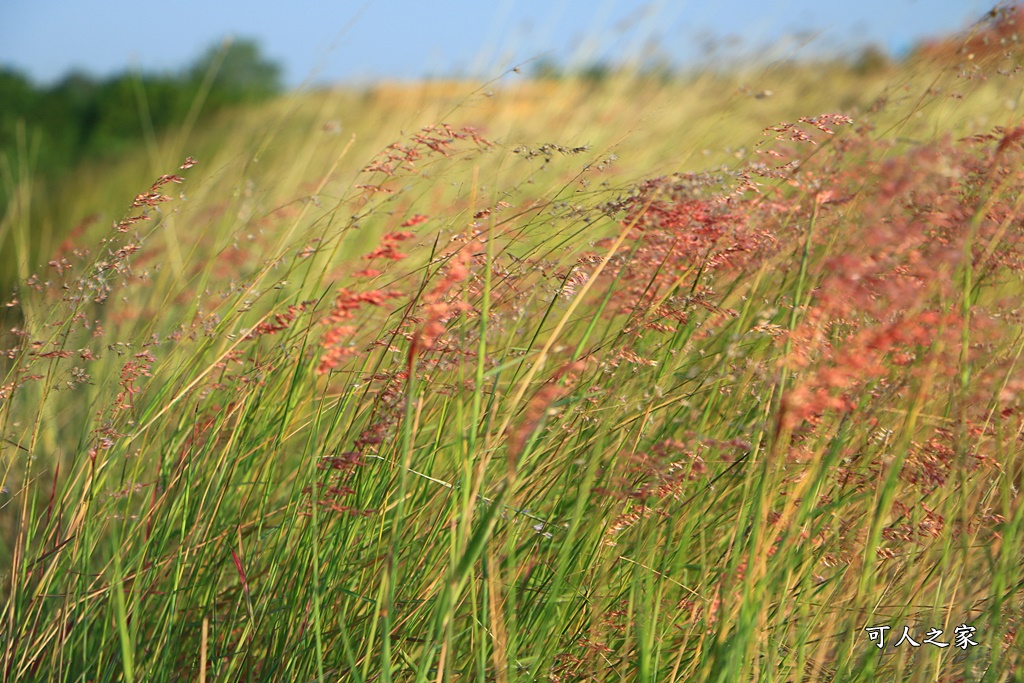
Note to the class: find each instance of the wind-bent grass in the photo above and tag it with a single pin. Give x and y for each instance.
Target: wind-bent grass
(474, 407)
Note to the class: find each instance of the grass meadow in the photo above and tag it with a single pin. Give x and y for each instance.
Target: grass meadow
(714, 378)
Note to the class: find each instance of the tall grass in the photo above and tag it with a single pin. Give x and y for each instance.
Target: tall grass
(484, 406)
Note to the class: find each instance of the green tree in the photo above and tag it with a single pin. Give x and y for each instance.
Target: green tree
(240, 73)
(18, 97)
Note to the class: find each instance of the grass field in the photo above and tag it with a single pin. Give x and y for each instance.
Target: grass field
(708, 379)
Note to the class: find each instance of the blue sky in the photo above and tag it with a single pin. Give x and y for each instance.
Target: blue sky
(363, 40)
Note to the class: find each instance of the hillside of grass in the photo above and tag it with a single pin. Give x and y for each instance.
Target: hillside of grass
(692, 123)
(707, 379)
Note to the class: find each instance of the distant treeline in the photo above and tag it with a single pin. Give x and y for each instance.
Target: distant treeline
(47, 130)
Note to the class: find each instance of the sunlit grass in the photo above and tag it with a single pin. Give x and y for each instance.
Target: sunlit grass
(600, 381)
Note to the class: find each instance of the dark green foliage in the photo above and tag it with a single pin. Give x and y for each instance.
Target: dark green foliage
(240, 73)
(46, 131)
(83, 117)
(16, 95)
